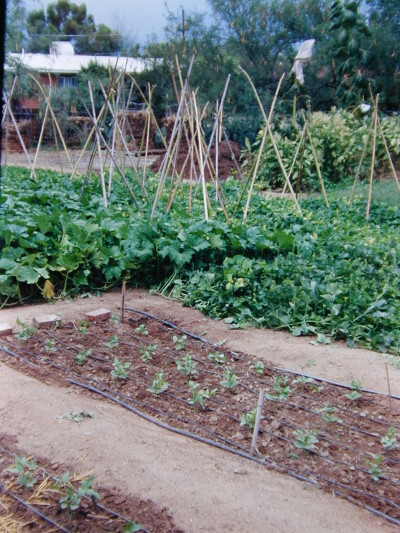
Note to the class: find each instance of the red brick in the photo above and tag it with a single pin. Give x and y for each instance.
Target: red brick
(98, 314)
(5, 329)
(45, 321)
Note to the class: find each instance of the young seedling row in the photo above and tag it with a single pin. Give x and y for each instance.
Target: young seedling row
(339, 438)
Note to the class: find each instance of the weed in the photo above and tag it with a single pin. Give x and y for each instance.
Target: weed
(24, 468)
(82, 356)
(147, 352)
(159, 384)
(77, 417)
(306, 439)
(374, 467)
(120, 370)
(187, 366)
(179, 341)
(113, 342)
(142, 329)
(389, 439)
(216, 357)
(26, 332)
(73, 497)
(328, 413)
(355, 393)
(199, 395)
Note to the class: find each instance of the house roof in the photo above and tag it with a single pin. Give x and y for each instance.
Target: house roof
(63, 60)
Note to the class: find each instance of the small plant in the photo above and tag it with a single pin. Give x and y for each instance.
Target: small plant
(146, 352)
(374, 467)
(142, 329)
(159, 384)
(114, 319)
(83, 327)
(26, 332)
(258, 367)
(82, 356)
(113, 342)
(199, 395)
(77, 417)
(281, 387)
(132, 527)
(50, 346)
(355, 393)
(303, 381)
(230, 379)
(328, 413)
(62, 481)
(306, 439)
(187, 366)
(217, 357)
(389, 439)
(120, 370)
(73, 497)
(179, 341)
(24, 468)
(249, 419)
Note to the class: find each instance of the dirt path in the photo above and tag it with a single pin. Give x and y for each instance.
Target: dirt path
(204, 489)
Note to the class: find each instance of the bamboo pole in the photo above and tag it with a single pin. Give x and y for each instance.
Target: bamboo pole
(361, 162)
(371, 175)
(8, 107)
(202, 177)
(102, 180)
(321, 181)
(299, 144)
(41, 136)
(257, 422)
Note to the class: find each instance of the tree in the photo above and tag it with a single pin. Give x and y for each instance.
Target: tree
(15, 26)
(65, 20)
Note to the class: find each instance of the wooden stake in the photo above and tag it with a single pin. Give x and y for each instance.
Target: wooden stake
(95, 120)
(257, 422)
(123, 301)
(389, 390)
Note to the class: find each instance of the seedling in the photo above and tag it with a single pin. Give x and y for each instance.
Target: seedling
(114, 319)
(113, 342)
(303, 381)
(120, 369)
(132, 527)
(146, 352)
(62, 481)
(26, 332)
(179, 341)
(50, 346)
(159, 384)
(83, 327)
(187, 366)
(374, 467)
(82, 356)
(230, 379)
(199, 395)
(142, 329)
(281, 387)
(249, 419)
(73, 497)
(389, 439)
(24, 468)
(216, 357)
(258, 367)
(329, 414)
(305, 439)
(355, 393)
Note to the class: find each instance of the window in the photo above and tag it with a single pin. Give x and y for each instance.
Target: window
(67, 81)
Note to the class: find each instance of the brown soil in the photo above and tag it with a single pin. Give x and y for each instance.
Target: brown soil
(218, 493)
(226, 164)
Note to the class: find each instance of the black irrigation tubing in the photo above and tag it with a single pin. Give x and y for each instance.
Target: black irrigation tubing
(197, 337)
(264, 461)
(33, 510)
(88, 498)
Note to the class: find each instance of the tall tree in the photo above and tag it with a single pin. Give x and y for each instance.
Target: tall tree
(15, 25)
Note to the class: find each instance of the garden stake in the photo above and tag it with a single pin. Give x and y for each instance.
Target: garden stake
(321, 181)
(390, 392)
(257, 422)
(371, 176)
(40, 136)
(361, 162)
(95, 119)
(123, 301)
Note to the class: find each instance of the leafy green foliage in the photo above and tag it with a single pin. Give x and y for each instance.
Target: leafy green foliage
(26, 332)
(328, 413)
(374, 465)
(159, 384)
(230, 379)
(249, 419)
(187, 366)
(113, 342)
(216, 357)
(24, 468)
(179, 341)
(120, 370)
(306, 439)
(200, 395)
(281, 388)
(142, 329)
(146, 352)
(389, 439)
(73, 497)
(355, 393)
(82, 356)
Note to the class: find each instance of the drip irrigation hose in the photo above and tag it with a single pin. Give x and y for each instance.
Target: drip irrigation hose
(264, 461)
(33, 510)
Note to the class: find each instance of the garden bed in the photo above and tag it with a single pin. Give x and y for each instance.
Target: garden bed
(323, 433)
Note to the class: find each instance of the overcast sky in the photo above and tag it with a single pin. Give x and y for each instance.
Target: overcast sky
(141, 18)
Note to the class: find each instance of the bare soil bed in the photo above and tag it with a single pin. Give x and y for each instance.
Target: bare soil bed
(348, 431)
